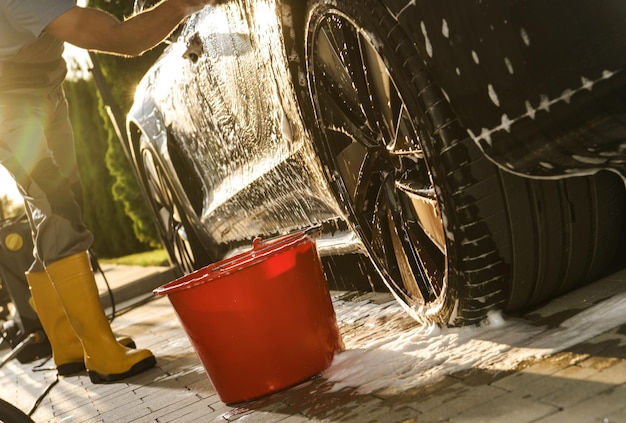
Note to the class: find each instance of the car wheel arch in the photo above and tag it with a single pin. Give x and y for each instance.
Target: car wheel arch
(162, 152)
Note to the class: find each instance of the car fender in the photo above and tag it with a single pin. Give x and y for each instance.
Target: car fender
(525, 78)
(145, 118)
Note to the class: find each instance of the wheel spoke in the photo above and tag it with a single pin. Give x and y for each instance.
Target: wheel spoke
(341, 119)
(360, 170)
(420, 196)
(330, 60)
(368, 186)
(360, 88)
(343, 111)
(356, 63)
(377, 83)
(413, 249)
(389, 109)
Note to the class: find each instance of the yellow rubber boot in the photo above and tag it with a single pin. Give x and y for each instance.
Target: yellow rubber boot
(106, 359)
(67, 350)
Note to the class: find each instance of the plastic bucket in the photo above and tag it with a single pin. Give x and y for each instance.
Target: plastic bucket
(260, 321)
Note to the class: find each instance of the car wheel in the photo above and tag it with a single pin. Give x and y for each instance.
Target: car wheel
(180, 240)
(435, 216)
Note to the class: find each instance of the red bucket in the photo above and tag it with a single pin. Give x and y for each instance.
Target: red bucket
(260, 321)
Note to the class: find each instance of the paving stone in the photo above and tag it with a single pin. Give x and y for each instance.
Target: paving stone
(510, 408)
(616, 416)
(128, 414)
(81, 414)
(595, 409)
(569, 392)
(533, 370)
(562, 388)
(171, 414)
(165, 399)
(456, 399)
(613, 375)
(295, 419)
(199, 413)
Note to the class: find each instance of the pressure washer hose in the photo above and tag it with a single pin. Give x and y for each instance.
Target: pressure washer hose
(11, 414)
(32, 338)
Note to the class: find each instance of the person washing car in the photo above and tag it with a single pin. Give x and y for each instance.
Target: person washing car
(37, 148)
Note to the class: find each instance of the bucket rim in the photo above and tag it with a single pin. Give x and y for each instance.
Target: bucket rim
(261, 251)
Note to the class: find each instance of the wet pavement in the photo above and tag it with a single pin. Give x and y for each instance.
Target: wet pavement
(565, 362)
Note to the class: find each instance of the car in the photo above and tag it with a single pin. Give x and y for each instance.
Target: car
(471, 152)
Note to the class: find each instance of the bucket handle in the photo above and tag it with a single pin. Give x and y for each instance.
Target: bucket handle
(260, 246)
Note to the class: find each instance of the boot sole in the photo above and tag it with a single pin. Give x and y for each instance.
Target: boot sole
(145, 364)
(69, 369)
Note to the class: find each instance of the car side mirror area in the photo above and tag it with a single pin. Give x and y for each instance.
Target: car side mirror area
(194, 49)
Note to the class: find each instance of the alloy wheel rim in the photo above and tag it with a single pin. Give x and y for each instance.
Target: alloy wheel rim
(168, 214)
(376, 160)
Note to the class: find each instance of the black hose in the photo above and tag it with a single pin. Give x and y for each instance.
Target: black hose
(8, 412)
(96, 267)
(43, 395)
(11, 414)
(32, 338)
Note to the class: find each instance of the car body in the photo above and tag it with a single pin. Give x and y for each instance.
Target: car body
(380, 121)
(539, 86)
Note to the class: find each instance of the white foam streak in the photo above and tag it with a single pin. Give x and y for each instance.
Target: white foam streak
(392, 360)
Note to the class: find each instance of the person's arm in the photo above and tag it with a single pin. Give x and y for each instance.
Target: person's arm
(94, 29)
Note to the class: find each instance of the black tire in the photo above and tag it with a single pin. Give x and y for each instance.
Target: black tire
(11, 414)
(565, 233)
(485, 239)
(172, 217)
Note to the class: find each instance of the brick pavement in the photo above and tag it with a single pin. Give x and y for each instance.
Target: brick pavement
(585, 382)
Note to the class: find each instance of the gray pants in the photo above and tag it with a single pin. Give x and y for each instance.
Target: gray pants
(37, 148)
